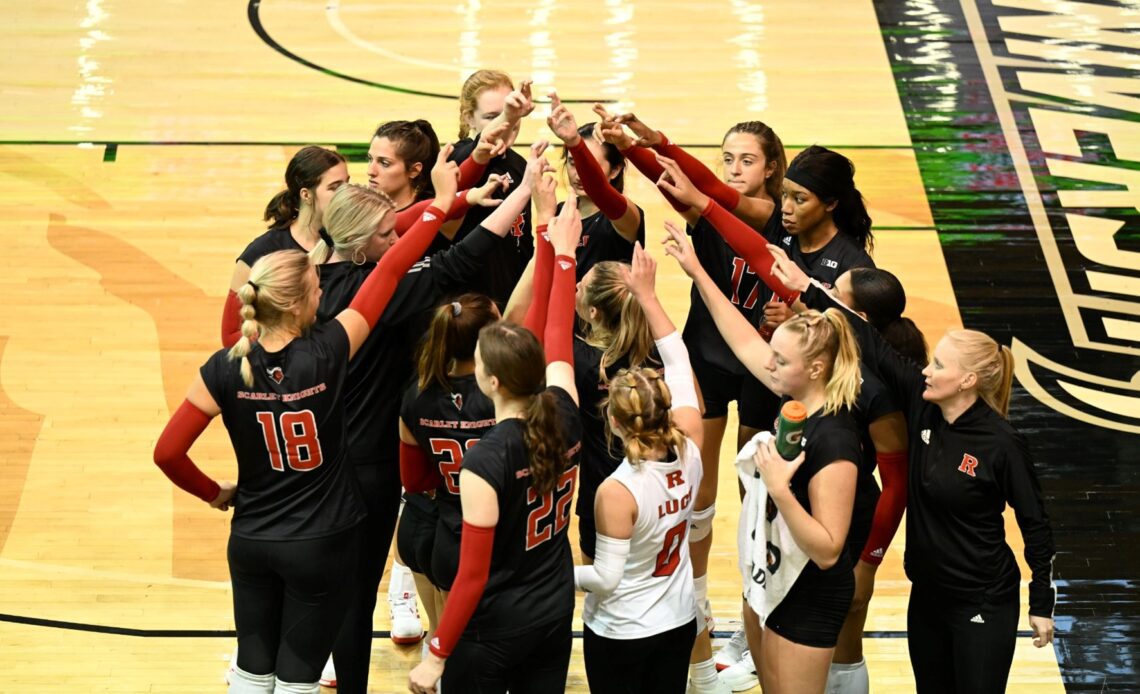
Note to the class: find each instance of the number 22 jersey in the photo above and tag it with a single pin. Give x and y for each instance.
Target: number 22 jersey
(288, 432)
(532, 571)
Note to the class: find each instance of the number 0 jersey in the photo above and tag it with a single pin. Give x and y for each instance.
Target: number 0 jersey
(288, 433)
(532, 572)
(655, 593)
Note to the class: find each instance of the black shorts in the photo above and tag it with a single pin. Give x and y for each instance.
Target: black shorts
(758, 405)
(416, 533)
(444, 556)
(813, 611)
(533, 662)
(718, 387)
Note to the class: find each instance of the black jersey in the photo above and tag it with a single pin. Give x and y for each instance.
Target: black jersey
(837, 256)
(446, 423)
(736, 280)
(532, 571)
(275, 239)
(601, 241)
(506, 262)
(599, 456)
(384, 364)
(288, 433)
(961, 477)
(826, 439)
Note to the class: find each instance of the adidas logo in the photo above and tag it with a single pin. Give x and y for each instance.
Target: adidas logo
(877, 553)
(977, 619)
(429, 217)
(925, 436)
(565, 265)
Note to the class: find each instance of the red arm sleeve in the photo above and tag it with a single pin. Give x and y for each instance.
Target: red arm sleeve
(417, 474)
(231, 320)
(750, 245)
(559, 333)
(170, 453)
(475, 548)
(646, 162)
(611, 203)
(406, 217)
(377, 290)
(702, 177)
(535, 320)
(892, 503)
(470, 171)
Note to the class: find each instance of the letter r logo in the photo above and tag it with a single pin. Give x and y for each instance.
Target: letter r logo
(674, 479)
(969, 462)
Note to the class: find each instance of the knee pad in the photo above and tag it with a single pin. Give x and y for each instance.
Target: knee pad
(296, 687)
(242, 682)
(700, 524)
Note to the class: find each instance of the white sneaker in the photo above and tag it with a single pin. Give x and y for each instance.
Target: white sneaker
(406, 625)
(731, 652)
(741, 676)
(718, 688)
(328, 675)
(230, 668)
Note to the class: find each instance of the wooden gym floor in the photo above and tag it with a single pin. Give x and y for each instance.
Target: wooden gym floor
(141, 142)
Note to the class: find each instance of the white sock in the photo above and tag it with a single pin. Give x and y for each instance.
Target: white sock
(401, 580)
(296, 688)
(242, 682)
(844, 678)
(701, 587)
(703, 674)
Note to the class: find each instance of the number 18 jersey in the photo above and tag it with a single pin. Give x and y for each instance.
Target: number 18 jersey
(288, 432)
(655, 593)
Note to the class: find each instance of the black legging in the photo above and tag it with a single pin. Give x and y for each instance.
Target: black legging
(533, 662)
(289, 602)
(958, 646)
(380, 485)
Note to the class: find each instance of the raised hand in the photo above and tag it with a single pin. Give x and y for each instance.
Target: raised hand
(642, 276)
(445, 178)
(676, 183)
(482, 196)
(680, 248)
(565, 230)
(493, 142)
(562, 122)
(520, 103)
(786, 270)
(646, 136)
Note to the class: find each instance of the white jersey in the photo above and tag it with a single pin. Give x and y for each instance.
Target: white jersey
(655, 593)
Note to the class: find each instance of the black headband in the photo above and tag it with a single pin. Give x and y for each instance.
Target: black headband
(327, 238)
(802, 176)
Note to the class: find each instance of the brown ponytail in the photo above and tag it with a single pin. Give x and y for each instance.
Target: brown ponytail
(452, 335)
(511, 353)
(304, 171)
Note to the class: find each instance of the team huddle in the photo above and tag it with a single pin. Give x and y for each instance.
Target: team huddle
(454, 341)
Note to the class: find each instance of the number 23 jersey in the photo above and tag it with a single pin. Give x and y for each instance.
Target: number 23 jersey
(532, 571)
(288, 432)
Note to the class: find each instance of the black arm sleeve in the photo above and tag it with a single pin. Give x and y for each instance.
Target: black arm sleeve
(1023, 492)
(454, 268)
(901, 376)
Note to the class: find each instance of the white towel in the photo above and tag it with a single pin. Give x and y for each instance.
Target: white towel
(770, 559)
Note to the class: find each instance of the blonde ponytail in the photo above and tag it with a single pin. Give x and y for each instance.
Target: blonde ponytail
(640, 402)
(991, 362)
(277, 283)
(620, 328)
(828, 337)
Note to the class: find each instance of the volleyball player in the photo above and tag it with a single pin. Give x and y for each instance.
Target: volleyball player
(611, 222)
(754, 164)
(507, 621)
(294, 532)
(312, 177)
(966, 463)
(813, 359)
(640, 610)
(359, 234)
(487, 100)
(443, 415)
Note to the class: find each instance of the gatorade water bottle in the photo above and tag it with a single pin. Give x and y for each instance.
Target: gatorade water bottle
(790, 429)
